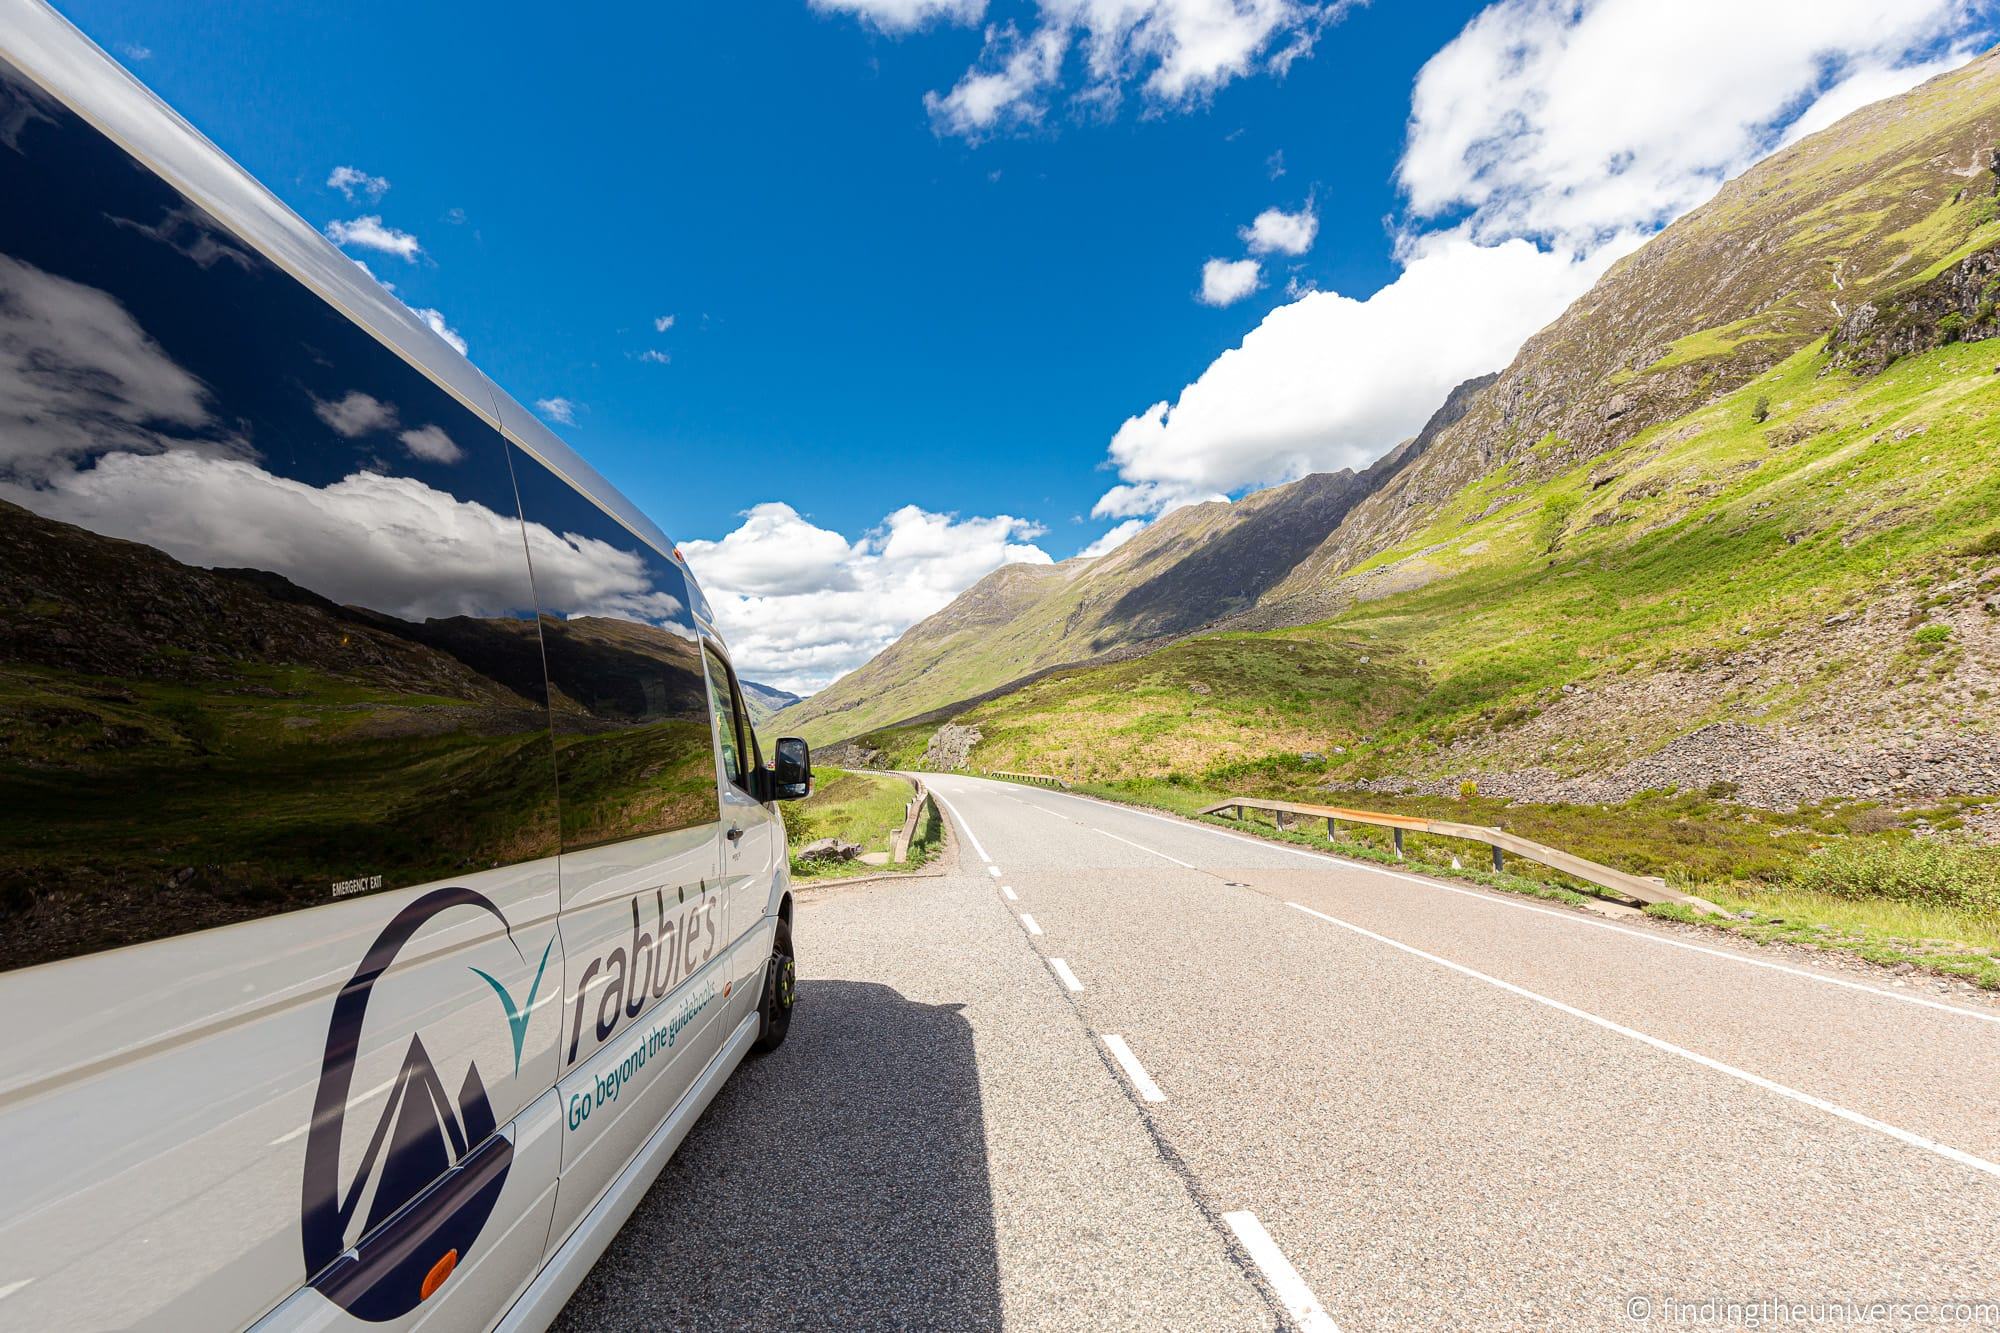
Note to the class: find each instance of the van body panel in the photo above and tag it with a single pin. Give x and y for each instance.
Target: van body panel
(496, 1274)
(574, 1255)
(158, 1125)
(615, 1100)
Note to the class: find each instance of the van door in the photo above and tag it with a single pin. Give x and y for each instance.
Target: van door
(753, 839)
(277, 829)
(644, 917)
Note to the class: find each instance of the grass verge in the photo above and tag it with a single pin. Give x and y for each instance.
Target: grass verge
(857, 807)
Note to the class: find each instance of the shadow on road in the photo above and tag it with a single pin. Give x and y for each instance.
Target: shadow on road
(840, 1181)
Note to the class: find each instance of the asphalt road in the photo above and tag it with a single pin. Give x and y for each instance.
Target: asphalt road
(1121, 1071)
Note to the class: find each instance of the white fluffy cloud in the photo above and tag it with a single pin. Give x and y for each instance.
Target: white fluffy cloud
(1008, 85)
(435, 319)
(1274, 231)
(1112, 540)
(1553, 136)
(1329, 381)
(357, 184)
(903, 15)
(1570, 122)
(1176, 51)
(661, 323)
(802, 605)
(368, 232)
(557, 409)
(1227, 281)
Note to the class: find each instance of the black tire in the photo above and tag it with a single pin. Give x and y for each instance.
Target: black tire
(774, 1011)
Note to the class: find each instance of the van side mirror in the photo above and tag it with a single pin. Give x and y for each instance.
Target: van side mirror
(792, 774)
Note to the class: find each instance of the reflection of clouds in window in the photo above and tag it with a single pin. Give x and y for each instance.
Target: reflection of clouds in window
(79, 376)
(359, 414)
(188, 231)
(431, 444)
(21, 104)
(356, 415)
(391, 544)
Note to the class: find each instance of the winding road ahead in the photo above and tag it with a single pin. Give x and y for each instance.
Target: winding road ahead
(1118, 1070)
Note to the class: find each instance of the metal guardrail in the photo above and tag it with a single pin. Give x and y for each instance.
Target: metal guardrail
(1643, 888)
(1043, 778)
(913, 819)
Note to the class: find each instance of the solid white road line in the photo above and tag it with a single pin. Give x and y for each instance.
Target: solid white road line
(1029, 922)
(959, 820)
(1943, 1150)
(1298, 1299)
(1142, 1082)
(1150, 851)
(1574, 919)
(1009, 894)
(1061, 969)
(1141, 846)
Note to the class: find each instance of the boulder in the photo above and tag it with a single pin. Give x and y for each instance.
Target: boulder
(829, 849)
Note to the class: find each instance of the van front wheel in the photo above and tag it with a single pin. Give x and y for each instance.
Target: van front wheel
(780, 990)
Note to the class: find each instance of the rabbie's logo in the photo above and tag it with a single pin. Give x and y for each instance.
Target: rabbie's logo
(435, 1164)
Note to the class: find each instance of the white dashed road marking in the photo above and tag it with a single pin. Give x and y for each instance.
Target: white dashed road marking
(1009, 894)
(1061, 969)
(1029, 922)
(1142, 1082)
(1278, 1271)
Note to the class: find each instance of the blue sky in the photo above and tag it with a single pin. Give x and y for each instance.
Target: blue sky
(970, 304)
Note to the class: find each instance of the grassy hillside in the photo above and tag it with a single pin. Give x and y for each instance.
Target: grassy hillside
(1831, 570)
(1888, 197)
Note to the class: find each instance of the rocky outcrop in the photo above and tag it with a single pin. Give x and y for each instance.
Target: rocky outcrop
(1766, 767)
(950, 748)
(850, 754)
(1961, 304)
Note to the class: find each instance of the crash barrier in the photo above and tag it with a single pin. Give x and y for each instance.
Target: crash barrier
(913, 820)
(1642, 888)
(1043, 778)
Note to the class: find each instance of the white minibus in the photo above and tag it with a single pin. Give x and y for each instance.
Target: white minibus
(389, 875)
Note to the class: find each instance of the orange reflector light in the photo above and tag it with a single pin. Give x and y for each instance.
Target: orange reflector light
(439, 1272)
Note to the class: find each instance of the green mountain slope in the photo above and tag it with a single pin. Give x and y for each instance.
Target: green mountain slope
(1183, 573)
(1887, 197)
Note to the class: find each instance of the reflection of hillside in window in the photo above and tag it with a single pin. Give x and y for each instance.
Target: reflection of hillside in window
(267, 636)
(627, 695)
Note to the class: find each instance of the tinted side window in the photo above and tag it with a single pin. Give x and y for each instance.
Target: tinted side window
(266, 634)
(728, 719)
(628, 704)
